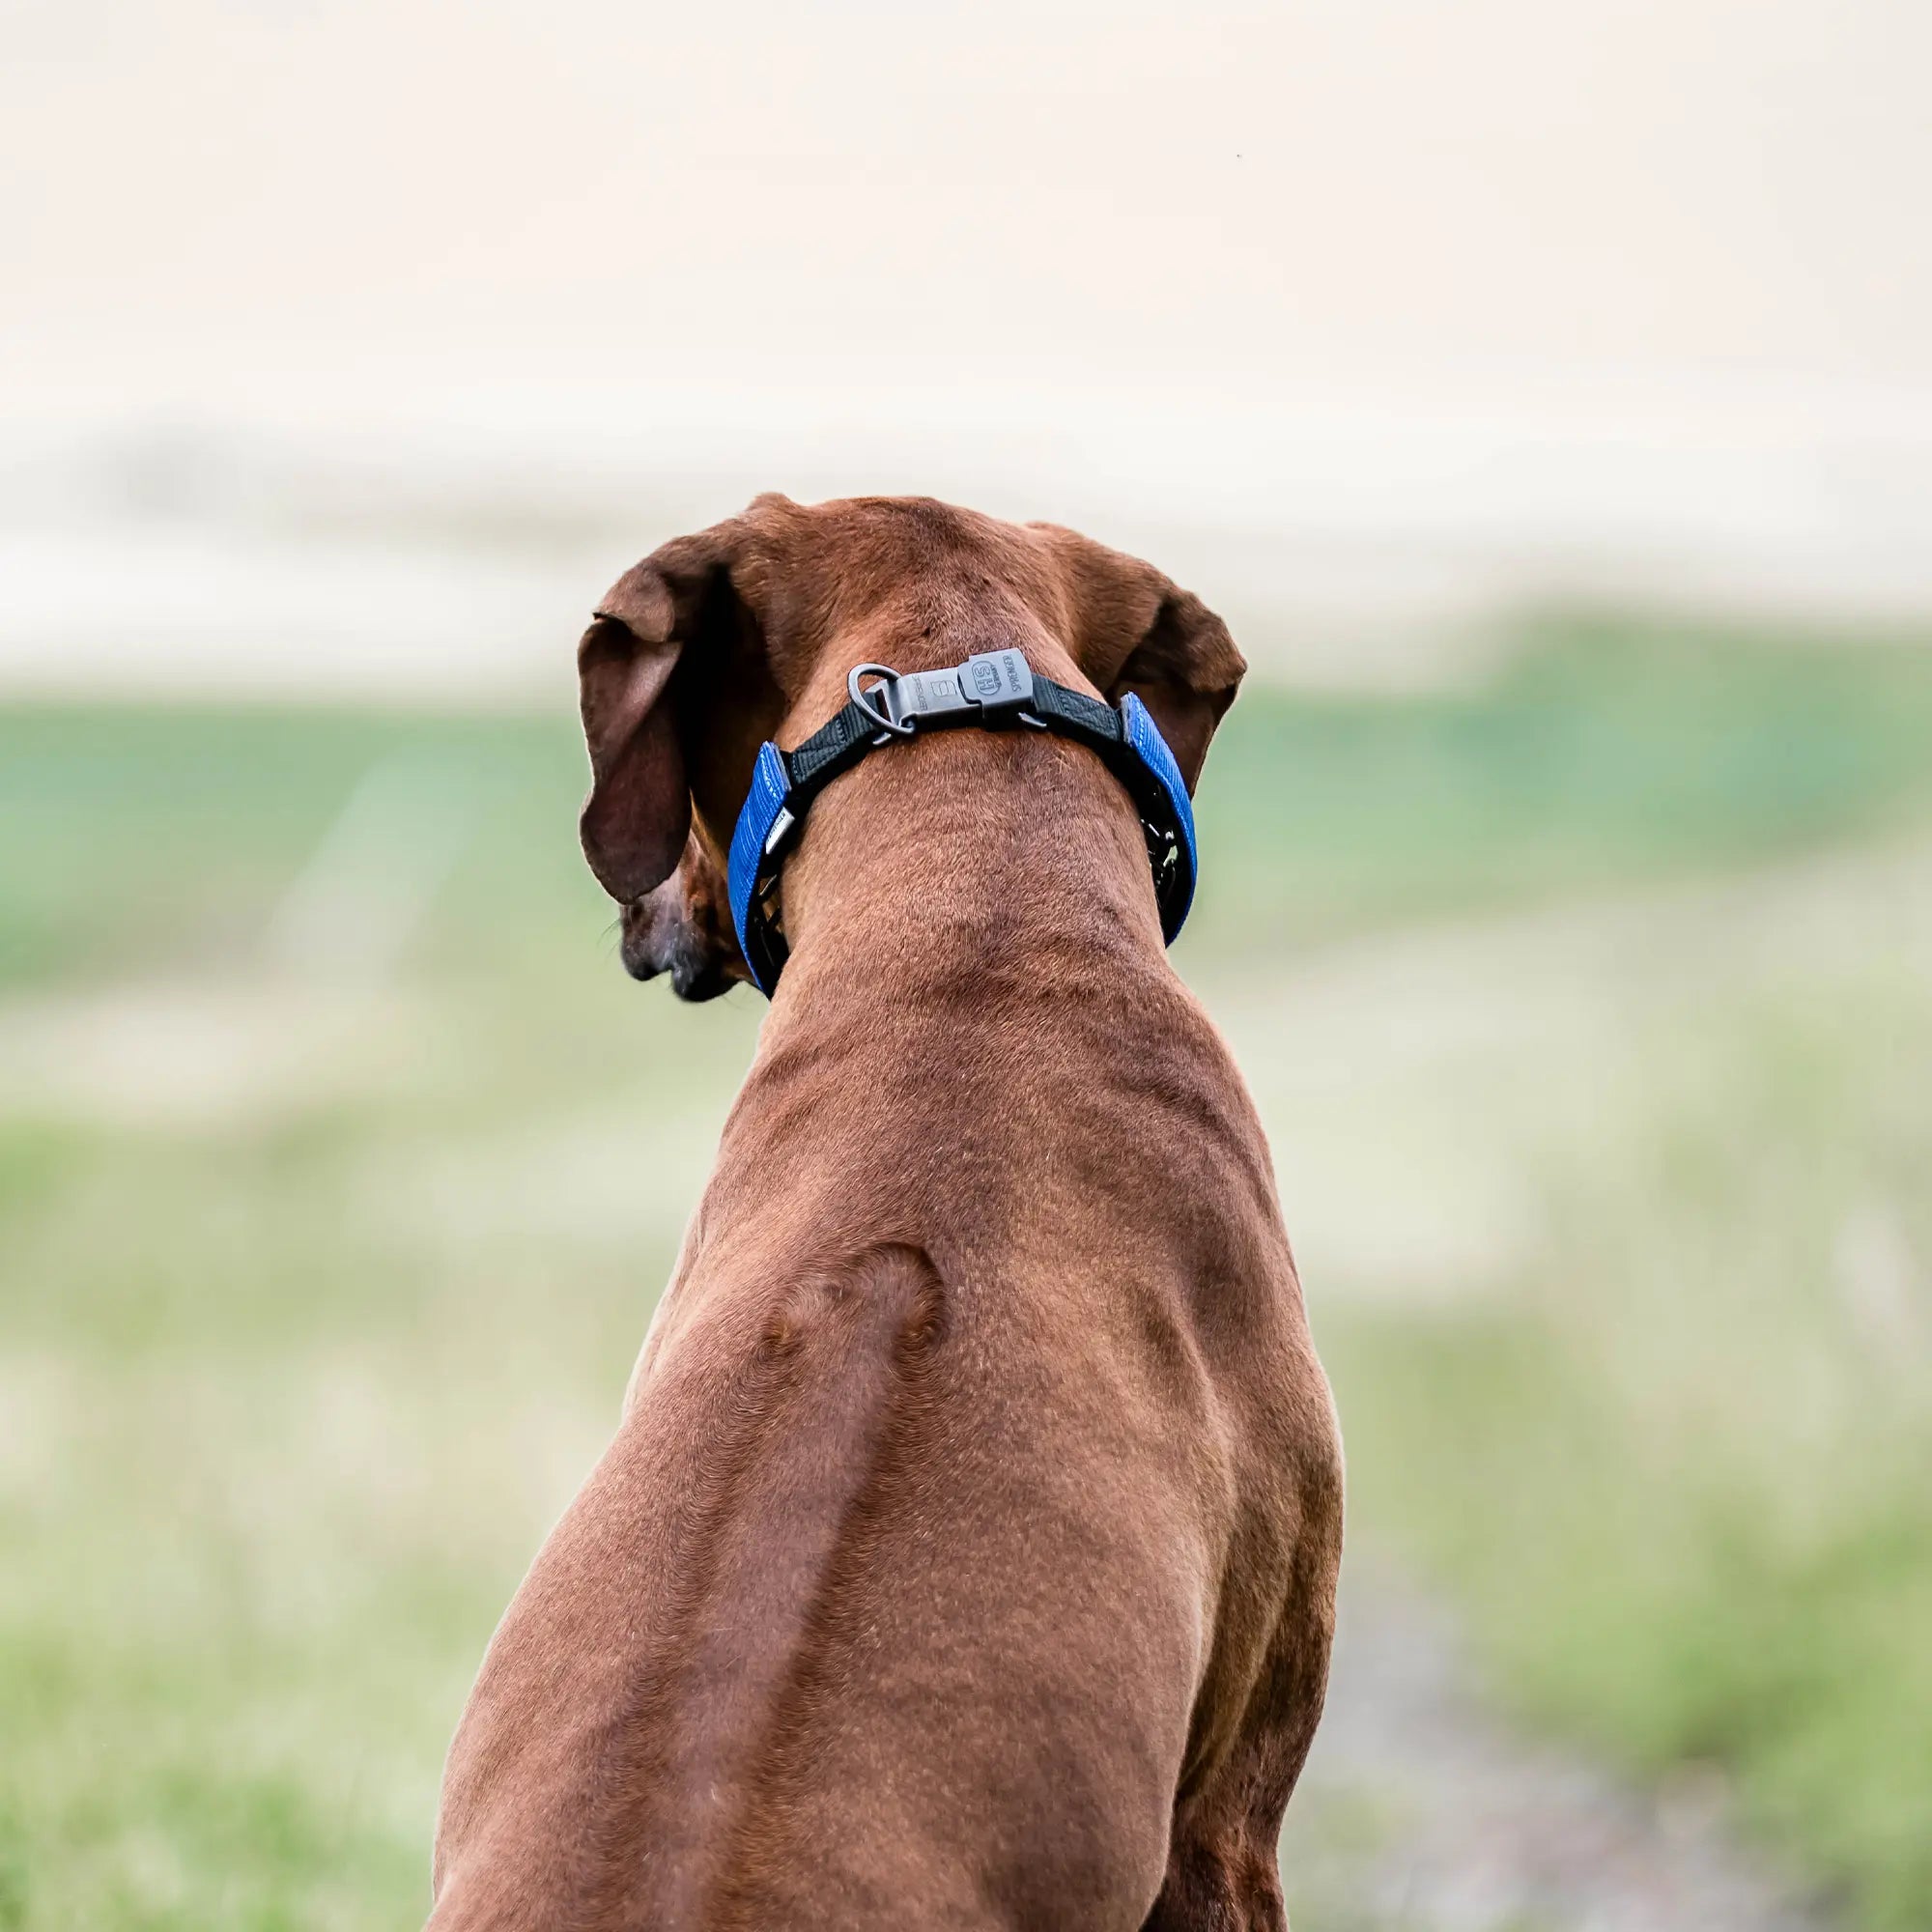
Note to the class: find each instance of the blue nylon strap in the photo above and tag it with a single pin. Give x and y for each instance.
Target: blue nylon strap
(1138, 756)
(770, 785)
(1145, 741)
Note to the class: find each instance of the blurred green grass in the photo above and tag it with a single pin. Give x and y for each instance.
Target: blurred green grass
(1601, 755)
(310, 1328)
(133, 839)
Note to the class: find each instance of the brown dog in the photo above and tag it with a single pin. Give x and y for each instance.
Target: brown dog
(966, 1556)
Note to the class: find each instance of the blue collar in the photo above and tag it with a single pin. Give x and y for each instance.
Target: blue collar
(994, 689)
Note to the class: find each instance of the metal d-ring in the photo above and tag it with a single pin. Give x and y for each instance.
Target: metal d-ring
(864, 699)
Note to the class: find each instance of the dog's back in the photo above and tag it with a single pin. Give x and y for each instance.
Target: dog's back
(966, 1555)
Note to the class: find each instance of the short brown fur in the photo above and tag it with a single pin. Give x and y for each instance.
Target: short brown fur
(966, 1555)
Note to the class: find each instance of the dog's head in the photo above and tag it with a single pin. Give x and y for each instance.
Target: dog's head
(746, 631)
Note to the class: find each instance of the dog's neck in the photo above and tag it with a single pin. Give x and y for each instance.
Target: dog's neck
(992, 860)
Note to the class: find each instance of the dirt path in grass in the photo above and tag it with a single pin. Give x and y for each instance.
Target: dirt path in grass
(1421, 1810)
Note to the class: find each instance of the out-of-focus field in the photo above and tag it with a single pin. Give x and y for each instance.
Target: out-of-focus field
(1591, 1013)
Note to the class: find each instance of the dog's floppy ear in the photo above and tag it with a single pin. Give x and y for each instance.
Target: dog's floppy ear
(639, 810)
(669, 625)
(1187, 671)
(1135, 630)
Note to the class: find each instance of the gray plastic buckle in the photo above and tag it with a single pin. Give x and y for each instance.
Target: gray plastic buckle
(987, 681)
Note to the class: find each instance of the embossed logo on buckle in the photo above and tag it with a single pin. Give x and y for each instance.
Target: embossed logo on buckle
(999, 678)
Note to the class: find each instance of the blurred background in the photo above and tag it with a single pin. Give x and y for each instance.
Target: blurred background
(1545, 394)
